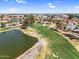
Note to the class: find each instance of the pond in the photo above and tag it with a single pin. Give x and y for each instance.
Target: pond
(13, 43)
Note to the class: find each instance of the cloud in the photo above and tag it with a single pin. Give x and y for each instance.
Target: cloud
(11, 10)
(20, 1)
(76, 7)
(50, 5)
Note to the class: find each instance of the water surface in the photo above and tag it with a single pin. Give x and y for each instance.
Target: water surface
(13, 43)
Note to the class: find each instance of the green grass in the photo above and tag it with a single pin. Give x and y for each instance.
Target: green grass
(1, 29)
(13, 43)
(57, 44)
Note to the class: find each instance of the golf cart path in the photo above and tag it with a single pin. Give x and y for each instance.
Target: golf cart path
(35, 50)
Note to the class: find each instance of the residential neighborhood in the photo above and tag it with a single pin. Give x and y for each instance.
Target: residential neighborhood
(39, 29)
(62, 29)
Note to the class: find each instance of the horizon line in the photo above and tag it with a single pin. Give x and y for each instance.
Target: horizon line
(39, 13)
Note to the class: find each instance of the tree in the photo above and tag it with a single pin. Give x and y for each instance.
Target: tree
(49, 19)
(58, 24)
(2, 25)
(29, 19)
(70, 16)
(1, 17)
(24, 24)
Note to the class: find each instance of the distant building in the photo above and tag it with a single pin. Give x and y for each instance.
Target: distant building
(71, 26)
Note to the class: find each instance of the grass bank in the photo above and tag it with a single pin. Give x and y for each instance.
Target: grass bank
(59, 47)
(2, 29)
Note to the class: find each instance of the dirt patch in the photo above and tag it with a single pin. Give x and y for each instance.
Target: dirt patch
(75, 43)
(33, 32)
(44, 50)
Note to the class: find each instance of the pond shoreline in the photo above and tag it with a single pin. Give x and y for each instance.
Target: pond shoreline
(34, 51)
(37, 47)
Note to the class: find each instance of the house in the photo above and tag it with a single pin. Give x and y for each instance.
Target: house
(71, 26)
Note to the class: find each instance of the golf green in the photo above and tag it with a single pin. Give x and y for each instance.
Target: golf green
(13, 43)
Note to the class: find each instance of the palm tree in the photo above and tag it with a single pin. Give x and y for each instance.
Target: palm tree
(31, 18)
(58, 24)
(2, 23)
(24, 24)
(28, 19)
(2, 16)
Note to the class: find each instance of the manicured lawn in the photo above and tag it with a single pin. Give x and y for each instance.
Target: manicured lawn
(58, 45)
(13, 43)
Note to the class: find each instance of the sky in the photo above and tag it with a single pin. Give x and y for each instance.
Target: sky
(39, 6)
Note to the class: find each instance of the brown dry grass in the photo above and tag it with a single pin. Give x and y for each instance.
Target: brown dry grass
(75, 43)
(44, 50)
